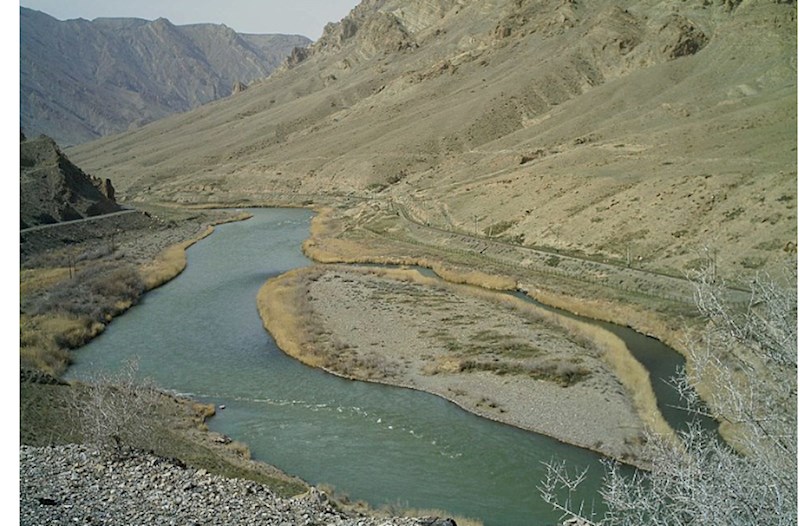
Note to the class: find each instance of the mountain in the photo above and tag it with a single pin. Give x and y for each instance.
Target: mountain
(80, 79)
(52, 189)
(647, 130)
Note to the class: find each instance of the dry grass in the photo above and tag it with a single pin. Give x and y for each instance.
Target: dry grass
(37, 279)
(45, 340)
(203, 411)
(172, 260)
(626, 367)
(633, 376)
(63, 308)
(471, 277)
(169, 263)
(670, 331)
(281, 312)
(628, 370)
(59, 314)
(287, 312)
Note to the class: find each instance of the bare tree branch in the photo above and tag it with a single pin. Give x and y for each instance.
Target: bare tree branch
(747, 354)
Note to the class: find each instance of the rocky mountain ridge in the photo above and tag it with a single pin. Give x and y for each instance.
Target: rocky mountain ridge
(52, 189)
(81, 79)
(644, 132)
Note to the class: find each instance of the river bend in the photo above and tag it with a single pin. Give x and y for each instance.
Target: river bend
(200, 335)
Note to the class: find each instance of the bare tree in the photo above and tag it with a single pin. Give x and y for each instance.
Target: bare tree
(746, 357)
(116, 410)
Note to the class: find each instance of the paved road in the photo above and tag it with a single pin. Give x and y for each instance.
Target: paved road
(76, 221)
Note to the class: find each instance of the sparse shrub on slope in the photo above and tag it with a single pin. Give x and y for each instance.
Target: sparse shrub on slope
(97, 292)
(115, 411)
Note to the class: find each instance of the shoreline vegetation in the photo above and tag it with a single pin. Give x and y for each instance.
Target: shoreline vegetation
(614, 373)
(538, 366)
(178, 424)
(57, 323)
(171, 261)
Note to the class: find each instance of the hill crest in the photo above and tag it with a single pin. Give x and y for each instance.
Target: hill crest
(53, 189)
(648, 131)
(81, 79)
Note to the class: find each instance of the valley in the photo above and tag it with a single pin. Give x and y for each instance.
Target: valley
(82, 79)
(616, 162)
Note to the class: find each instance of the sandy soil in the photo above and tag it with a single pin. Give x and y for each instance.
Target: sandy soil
(473, 347)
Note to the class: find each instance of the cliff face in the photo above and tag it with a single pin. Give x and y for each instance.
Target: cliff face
(80, 80)
(52, 189)
(649, 129)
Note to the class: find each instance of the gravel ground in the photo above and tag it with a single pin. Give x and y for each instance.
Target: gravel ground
(75, 484)
(416, 336)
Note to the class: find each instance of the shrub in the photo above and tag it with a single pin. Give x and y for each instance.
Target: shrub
(116, 410)
(747, 360)
(97, 292)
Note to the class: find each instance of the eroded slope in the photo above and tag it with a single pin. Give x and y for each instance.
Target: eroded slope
(639, 133)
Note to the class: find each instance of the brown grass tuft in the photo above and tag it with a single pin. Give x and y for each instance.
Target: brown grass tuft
(280, 307)
(169, 263)
(45, 339)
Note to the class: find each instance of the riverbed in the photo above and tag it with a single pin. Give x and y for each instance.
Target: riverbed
(200, 335)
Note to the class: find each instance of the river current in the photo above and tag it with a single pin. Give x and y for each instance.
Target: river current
(200, 335)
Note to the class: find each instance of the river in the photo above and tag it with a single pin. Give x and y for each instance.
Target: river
(200, 335)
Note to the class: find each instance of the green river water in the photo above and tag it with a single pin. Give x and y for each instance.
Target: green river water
(200, 335)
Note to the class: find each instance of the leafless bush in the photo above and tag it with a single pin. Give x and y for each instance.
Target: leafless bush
(96, 292)
(116, 410)
(746, 358)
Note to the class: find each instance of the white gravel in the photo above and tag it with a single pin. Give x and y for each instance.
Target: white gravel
(76, 484)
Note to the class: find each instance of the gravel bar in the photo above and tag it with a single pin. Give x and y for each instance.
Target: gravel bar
(76, 484)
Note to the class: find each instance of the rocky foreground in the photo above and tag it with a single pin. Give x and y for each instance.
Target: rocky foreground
(75, 484)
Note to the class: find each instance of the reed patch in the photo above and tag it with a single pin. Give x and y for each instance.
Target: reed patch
(398, 326)
(169, 263)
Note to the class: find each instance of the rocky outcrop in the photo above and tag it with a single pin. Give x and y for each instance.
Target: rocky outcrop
(80, 79)
(76, 484)
(681, 37)
(52, 189)
(238, 87)
(298, 55)
(378, 28)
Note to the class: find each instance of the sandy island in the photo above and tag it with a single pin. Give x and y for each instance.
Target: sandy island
(492, 354)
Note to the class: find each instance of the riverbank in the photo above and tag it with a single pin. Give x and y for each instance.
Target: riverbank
(219, 450)
(52, 413)
(78, 484)
(72, 284)
(76, 277)
(492, 354)
(502, 284)
(377, 233)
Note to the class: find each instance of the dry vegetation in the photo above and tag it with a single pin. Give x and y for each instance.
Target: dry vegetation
(493, 354)
(637, 133)
(53, 412)
(749, 358)
(70, 311)
(63, 307)
(658, 131)
(169, 263)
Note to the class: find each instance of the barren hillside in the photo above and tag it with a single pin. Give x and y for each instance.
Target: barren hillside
(53, 189)
(81, 79)
(641, 132)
